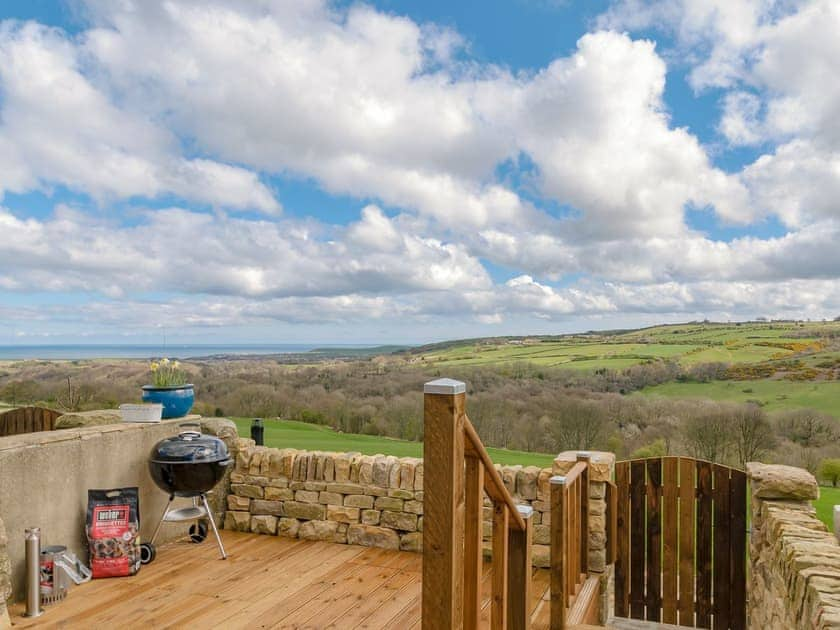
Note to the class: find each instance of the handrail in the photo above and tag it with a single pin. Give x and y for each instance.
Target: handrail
(569, 499)
(493, 484)
(457, 474)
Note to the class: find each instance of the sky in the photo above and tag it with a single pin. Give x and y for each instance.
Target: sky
(279, 171)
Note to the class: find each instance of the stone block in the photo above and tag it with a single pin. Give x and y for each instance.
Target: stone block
(526, 482)
(399, 520)
(407, 467)
(418, 476)
(774, 481)
(318, 530)
(414, 507)
(288, 527)
(342, 514)
(394, 475)
(332, 498)
(371, 536)
(508, 474)
(247, 490)
(329, 468)
(342, 468)
(366, 470)
(542, 534)
(541, 556)
(381, 470)
(308, 511)
(257, 480)
(359, 501)
(258, 506)
(306, 496)
(399, 493)
(370, 517)
(345, 488)
(376, 491)
(388, 503)
(238, 521)
(412, 542)
(264, 524)
(237, 503)
(279, 494)
(601, 464)
(420, 524)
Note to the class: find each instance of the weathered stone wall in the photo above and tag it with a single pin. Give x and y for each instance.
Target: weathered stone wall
(374, 500)
(795, 562)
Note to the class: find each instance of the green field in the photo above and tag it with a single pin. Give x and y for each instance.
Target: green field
(829, 497)
(772, 394)
(300, 435)
(688, 344)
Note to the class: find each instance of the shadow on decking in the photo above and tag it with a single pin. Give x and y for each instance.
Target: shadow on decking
(266, 582)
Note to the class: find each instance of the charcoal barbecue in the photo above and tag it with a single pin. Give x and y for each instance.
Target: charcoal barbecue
(189, 464)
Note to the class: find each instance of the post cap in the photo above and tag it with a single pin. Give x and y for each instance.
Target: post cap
(525, 511)
(585, 454)
(557, 479)
(444, 386)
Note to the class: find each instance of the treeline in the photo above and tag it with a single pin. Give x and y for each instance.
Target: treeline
(520, 406)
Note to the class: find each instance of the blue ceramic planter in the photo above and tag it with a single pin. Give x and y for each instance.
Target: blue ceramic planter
(177, 400)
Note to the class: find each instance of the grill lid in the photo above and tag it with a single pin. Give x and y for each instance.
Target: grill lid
(190, 446)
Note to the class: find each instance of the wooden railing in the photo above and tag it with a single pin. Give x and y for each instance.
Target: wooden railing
(569, 539)
(457, 474)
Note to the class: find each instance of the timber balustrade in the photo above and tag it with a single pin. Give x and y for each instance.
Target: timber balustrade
(458, 472)
(569, 539)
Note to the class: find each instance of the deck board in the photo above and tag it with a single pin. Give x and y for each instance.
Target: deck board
(267, 582)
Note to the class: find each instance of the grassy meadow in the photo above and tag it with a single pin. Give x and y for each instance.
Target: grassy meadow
(304, 436)
(829, 497)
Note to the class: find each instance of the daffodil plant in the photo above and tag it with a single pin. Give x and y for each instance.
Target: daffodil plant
(166, 373)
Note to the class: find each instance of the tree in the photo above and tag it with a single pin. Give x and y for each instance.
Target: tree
(830, 470)
(753, 435)
(579, 425)
(708, 436)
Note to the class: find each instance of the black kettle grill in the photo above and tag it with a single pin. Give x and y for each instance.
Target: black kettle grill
(189, 464)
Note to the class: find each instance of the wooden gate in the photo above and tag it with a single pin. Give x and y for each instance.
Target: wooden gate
(27, 420)
(681, 542)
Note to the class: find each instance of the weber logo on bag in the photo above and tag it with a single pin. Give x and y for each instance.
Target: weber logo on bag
(113, 531)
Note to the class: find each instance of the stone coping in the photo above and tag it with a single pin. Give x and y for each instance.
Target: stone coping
(41, 438)
(601, 464)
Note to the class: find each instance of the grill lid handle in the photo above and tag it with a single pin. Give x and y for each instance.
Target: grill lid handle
(191, 430)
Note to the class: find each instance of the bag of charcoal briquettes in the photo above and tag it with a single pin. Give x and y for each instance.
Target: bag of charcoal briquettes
(113, 532)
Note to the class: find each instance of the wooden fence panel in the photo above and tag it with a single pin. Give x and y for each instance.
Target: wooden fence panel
(637, 539)
(622, 522)
(27, 420)
(688, 498)
(670, 490)
(721, 535)
(738, 548)
(654, 540)
(704, 545)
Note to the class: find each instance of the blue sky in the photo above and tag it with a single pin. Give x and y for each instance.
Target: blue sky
(405, 172)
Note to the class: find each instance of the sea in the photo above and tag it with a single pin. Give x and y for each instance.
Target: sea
(172, 351)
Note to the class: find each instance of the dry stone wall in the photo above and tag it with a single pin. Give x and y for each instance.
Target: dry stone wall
(369, 500)
(795, 562)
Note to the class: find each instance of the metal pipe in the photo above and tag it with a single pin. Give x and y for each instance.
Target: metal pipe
(213, 525)
(33, 572)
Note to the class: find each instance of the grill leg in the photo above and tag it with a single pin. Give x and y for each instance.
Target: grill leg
(213, 525)
(160, 522)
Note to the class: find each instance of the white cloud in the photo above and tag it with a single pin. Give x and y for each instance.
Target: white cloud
(58, 127)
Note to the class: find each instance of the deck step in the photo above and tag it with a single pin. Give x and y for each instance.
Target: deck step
(584, 609)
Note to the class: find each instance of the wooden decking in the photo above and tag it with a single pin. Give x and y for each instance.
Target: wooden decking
(267, 582)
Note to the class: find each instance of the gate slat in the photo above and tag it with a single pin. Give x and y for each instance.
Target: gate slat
(722, 568)
(622, 561)
(637, 539)
(669, 533)
(688, 498)
(654, 539)
(738, 548)
(704, 544)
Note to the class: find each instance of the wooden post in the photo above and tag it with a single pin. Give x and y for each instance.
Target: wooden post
(519, 572)
(443, 522)
(501, 555)
(558, 553)
(473, 561)
(584, 456)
